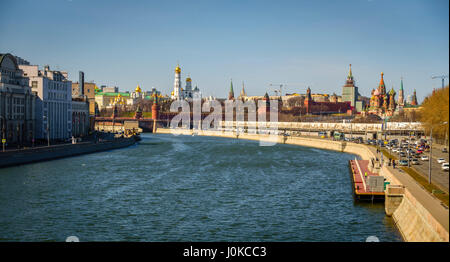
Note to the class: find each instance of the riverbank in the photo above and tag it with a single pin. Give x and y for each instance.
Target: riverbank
(37, 154)
(420, 217)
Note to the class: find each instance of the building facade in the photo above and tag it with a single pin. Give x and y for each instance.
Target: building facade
(80, 117)
(88, 91)
(53, 103)
(350, 93)
(17, 103)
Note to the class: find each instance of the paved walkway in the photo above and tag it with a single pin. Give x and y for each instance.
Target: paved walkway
(432, 204)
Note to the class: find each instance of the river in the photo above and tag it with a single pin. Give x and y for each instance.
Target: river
(185, 188)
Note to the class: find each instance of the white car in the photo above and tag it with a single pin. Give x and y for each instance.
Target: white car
(440, 160)
(424, 158)
(445, 166)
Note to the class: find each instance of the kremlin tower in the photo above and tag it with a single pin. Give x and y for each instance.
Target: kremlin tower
(231, 93)
(308, 100)
(401, 95)
(349, 90)
(414, 99)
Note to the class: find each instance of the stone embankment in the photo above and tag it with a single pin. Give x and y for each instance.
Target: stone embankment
(25, 156)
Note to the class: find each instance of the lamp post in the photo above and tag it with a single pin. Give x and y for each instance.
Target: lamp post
(48, 130)
(431, 150)
(3, 132)
(351, 131)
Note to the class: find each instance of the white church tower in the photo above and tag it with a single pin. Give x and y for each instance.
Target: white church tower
(188, 89)
(177, 94)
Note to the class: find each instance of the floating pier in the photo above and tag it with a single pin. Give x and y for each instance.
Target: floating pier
(366, 184)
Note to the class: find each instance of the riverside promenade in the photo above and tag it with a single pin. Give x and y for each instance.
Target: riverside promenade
(435, 208)
(420, 217)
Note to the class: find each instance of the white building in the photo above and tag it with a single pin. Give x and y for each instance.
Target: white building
(187, 93)
(17, 103)
(176, 93)
(54, 103)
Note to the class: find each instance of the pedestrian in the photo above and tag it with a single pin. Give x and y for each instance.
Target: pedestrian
(393, 164)
(365, 174)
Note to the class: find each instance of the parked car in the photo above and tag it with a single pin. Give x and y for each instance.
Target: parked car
(440, 160)
(403, 162)
(444, 150)
(414, 161)
(445, 166)
(323, 134)
(424, 158)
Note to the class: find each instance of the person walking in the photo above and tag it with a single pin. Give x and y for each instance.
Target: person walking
(393, 164)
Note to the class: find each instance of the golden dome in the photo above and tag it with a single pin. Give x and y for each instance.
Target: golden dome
(171, 93)
(188, 79)
(178, 69)
(138, 89)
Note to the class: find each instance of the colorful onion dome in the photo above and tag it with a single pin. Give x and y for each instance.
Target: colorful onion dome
(178, 69)
(138, 89)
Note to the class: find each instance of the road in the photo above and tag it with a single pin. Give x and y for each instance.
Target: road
(439, 177)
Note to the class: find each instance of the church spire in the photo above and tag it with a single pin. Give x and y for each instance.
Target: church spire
(350, 76)
(382, 87)
(243, 90)
(231, 94)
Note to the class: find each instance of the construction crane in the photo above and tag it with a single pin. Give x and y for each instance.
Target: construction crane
(280, 89)
(442, 77)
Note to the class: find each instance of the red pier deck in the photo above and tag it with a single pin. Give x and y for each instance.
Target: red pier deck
(361, 189)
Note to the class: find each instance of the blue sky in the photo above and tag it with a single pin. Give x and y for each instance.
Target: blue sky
(300, 43)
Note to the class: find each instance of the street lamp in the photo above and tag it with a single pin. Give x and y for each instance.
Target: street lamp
(3, 132)
(431, 150)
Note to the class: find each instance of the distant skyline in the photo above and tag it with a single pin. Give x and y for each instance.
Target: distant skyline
(299, 43)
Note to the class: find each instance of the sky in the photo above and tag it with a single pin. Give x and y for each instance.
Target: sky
(296, 43)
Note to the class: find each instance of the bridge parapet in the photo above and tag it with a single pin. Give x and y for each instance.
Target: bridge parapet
(346, 127)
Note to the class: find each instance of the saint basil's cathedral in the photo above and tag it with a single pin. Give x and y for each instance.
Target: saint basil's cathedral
(382, 103)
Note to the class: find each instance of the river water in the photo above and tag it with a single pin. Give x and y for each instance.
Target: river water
(184, 188)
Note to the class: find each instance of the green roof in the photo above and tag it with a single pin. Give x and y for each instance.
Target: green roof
(112, 94)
